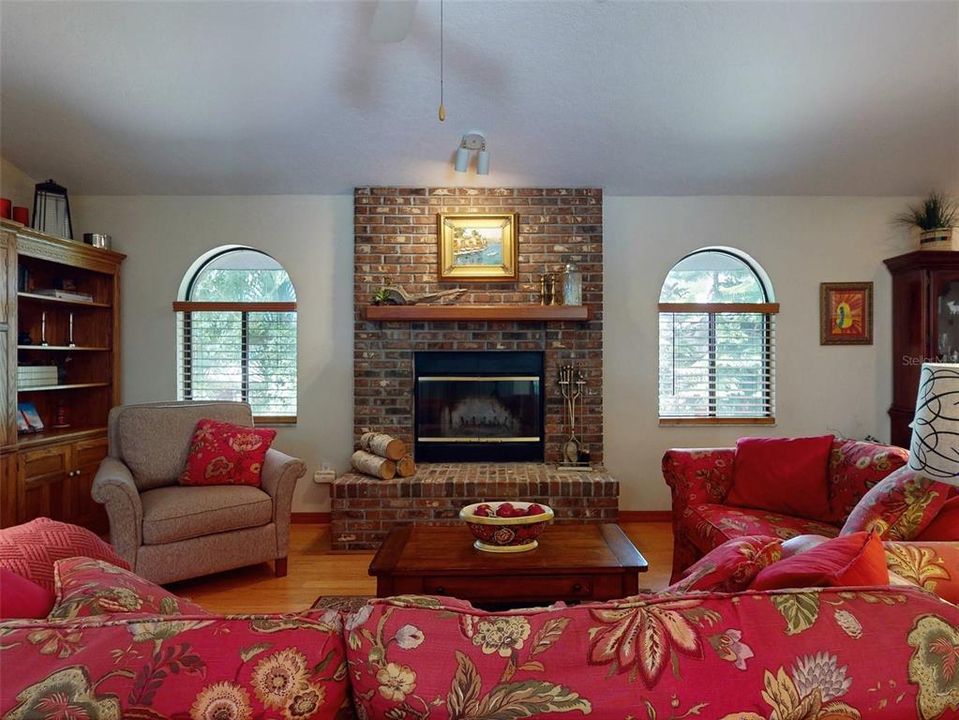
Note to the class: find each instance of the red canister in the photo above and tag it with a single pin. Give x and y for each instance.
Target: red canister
(21, 215)
(5, 205)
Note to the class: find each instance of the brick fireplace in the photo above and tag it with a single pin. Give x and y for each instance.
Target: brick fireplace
(395, 240)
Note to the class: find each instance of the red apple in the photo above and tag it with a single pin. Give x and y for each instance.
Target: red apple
(535, 509)
(483, 510)
(506, 510)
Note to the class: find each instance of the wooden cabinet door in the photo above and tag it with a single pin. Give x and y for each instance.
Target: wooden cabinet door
(44, 474)
(80, 507)
(944, 335)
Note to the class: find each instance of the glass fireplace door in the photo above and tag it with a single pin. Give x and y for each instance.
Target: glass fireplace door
(478, 406)
(479, 409)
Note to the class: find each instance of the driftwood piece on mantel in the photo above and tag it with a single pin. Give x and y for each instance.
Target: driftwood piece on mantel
(374, 465)
(395, 295)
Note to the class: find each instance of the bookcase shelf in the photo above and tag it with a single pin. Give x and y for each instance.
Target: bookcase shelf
(61, 301)
(62, 348)
(65, 386)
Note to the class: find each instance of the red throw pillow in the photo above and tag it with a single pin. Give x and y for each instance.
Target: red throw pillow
(22, 598)
(945, 525)
(226, 454)
(854, 467)
(845, 561)
(88, 587)
(933, 566)
(783, 475)
(898, 507)
(731, 566)
(30, 549)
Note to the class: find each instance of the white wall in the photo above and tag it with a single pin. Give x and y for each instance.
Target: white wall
(312, 236)
(16, 184)
(800, 242)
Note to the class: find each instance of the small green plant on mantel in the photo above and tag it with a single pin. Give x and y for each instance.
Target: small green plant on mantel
(935, 218)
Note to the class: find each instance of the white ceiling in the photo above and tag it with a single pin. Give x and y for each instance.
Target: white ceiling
(639, 98)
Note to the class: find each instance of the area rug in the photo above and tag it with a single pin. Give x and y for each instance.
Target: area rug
(344, 603)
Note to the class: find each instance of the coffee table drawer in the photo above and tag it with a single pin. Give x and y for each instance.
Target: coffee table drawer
(499, 587)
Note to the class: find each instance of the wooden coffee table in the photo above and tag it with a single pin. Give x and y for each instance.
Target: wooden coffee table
(573, 563)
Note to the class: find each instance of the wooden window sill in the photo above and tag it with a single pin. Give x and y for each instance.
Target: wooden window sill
(677, 421)
(259, 420)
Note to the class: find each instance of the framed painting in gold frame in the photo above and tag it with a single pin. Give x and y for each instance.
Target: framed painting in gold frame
(477, 248)
(845, 313)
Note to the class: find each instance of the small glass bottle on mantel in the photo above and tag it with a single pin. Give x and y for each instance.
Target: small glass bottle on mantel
(572, 285)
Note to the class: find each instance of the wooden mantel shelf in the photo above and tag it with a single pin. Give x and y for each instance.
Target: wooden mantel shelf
(502, 312)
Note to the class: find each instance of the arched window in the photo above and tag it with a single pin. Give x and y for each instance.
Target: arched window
(716, 340)
(236, 327)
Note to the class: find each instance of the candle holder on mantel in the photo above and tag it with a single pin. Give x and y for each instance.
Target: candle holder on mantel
(572, 383)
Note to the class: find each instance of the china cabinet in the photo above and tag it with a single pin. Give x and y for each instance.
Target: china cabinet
(925, 326)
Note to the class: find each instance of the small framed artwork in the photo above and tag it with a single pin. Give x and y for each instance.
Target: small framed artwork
(845, 313)
(477, 248)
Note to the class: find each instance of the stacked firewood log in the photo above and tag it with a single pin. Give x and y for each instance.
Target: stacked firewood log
(383, 456)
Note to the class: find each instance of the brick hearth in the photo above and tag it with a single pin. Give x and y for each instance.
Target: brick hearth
(366, 509)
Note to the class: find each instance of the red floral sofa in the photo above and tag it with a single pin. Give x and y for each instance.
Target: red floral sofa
(832, 654)
(700, 480)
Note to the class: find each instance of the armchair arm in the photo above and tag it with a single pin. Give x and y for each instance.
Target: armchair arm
(113, 486)
(278, 479)
(698, 476)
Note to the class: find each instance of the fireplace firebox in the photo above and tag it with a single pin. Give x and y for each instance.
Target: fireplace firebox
(478, 406)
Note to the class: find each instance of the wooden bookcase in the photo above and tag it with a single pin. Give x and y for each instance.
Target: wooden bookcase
(50, 473)
(925, 326)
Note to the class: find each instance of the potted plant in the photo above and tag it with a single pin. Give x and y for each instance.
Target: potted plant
(935, 220)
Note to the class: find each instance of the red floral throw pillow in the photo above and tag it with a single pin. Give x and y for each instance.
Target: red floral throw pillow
(30, 549)
(88, 587)
(783, 475)
(22, 598)
(933, 566)
(732, 566)
(845, 561)
(854, 467)
(226, 454)
(898, 507)
(945, 525)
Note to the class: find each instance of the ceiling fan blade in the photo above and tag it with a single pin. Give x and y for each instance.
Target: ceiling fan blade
(392, 20)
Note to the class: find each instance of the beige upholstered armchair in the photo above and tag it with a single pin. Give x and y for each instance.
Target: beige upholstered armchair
(169, 532)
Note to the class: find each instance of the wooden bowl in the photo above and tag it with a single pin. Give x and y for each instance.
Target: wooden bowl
(506, 534)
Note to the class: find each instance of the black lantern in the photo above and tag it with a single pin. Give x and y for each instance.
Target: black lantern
(51, 210)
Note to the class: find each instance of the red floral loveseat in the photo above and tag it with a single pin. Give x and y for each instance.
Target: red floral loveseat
(700, 481)
(836, 654)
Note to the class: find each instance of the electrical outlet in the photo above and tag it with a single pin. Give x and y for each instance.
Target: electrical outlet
(326, 476)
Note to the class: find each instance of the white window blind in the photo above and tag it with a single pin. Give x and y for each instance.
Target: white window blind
(717, 362)
(239, 351)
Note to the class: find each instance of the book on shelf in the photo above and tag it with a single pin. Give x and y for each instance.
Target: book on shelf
(29, 376)
(32, 417)
(65, 294)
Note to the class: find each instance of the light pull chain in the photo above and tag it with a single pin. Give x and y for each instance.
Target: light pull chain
(442, 110)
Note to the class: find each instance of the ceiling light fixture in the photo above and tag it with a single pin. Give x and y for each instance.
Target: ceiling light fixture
(472, 140)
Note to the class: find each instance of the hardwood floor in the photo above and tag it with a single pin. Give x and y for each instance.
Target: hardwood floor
(314, 571)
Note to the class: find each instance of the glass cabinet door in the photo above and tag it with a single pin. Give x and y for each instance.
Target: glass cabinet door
(945, 317)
